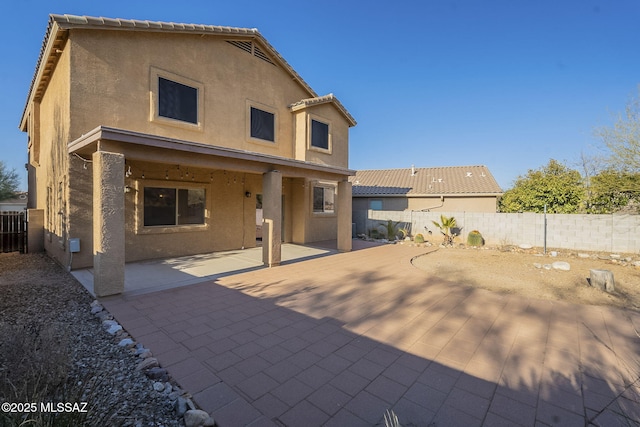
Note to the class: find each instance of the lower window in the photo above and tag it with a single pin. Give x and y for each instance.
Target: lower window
(323, 199)
(173, 206)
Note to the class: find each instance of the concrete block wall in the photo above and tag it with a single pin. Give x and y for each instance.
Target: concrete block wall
(607, 233)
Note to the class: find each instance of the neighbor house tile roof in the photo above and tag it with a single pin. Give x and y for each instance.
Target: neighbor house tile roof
(59, 25)
(450, 180)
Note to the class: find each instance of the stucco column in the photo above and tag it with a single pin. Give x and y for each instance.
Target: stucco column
(344, 216)
(272, 218)
(108, 223)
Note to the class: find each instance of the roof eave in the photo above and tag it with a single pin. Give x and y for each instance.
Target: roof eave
(45, 53)
(331, 98)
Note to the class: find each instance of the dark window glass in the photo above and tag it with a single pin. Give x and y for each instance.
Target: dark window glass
(159, 206)
(328, 200)
(318, 199)
(262, 124)
(319, 134)
(170, 206)
(177, 101)
(323, 199)
(191, 206)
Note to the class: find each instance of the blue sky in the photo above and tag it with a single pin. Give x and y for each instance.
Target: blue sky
(504, 83)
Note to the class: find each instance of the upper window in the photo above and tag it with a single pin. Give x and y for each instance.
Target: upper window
(323, 199)
(319, 135)
(177, 101)
(262, 125)
(173, 206)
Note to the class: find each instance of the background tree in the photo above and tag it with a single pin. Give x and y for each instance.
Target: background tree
(623, 139)
(555, 185)
(613, 191)
(9, 181)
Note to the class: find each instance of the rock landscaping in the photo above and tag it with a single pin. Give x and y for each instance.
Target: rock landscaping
(61, 346)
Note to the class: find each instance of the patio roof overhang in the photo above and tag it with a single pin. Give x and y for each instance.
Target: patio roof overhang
(154, 148)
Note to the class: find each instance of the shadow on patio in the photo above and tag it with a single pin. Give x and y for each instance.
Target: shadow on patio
(161, 274)
(337, 340)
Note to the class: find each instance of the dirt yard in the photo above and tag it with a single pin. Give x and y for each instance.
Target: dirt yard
(514, 271)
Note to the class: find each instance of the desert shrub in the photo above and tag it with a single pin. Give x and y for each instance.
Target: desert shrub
(419, 238)
(35, 364)
(475, 238)
(449, 229)
(390, 229)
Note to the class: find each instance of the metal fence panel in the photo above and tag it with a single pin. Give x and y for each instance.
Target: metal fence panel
(13, 232)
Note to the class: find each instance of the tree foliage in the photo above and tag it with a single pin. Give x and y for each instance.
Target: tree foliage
(9, 181)
(564, 190)
(554, 185)
(611, 190)
(623, 139)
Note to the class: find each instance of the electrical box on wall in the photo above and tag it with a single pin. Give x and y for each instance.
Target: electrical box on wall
(74, 245)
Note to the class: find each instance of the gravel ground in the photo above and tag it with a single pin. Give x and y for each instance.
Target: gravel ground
(54, 350)
(521, 272)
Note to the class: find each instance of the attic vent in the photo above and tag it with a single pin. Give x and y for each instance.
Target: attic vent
(251, 48)
(260, 54)
(246, 46)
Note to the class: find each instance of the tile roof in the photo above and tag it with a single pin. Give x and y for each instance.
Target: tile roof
(59, 25)
(323, 100)
(450, 180)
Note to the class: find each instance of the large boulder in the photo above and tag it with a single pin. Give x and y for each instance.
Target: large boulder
(198, 418)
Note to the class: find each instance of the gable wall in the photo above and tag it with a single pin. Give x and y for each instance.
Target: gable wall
(111, 84)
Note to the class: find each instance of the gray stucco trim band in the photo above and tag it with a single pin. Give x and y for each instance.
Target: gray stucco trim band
(131, 137)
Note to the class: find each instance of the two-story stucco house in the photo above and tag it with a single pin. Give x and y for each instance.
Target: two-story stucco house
(153, 139)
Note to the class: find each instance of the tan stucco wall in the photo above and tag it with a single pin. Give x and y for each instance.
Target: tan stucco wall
(51, 165)
(433, 204)
(338, 153)
(230, 214)
(452, 203)
(104, 78)
(113, 75)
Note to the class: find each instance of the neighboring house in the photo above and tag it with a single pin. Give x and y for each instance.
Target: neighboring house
(450, 189)
(153, 139)
(14, 204)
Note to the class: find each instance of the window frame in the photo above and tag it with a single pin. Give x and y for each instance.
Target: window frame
(324, 121)
(141, 228)
(267, 109)
(326, 187)
(154, 80)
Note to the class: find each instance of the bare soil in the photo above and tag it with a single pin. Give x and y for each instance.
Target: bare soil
(513, 271)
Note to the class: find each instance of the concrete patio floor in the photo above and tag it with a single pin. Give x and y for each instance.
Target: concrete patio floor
(167, 273)
(337, 340)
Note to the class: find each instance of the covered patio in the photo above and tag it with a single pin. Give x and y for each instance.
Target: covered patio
(148, 197)
(160, 274)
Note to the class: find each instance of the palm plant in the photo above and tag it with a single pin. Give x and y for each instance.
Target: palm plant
(390, 229)
(446, 227)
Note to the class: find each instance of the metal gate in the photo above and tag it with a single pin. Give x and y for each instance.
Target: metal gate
(13, 232)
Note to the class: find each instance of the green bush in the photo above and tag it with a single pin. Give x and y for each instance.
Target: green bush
(475, 239)
(419, 238)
